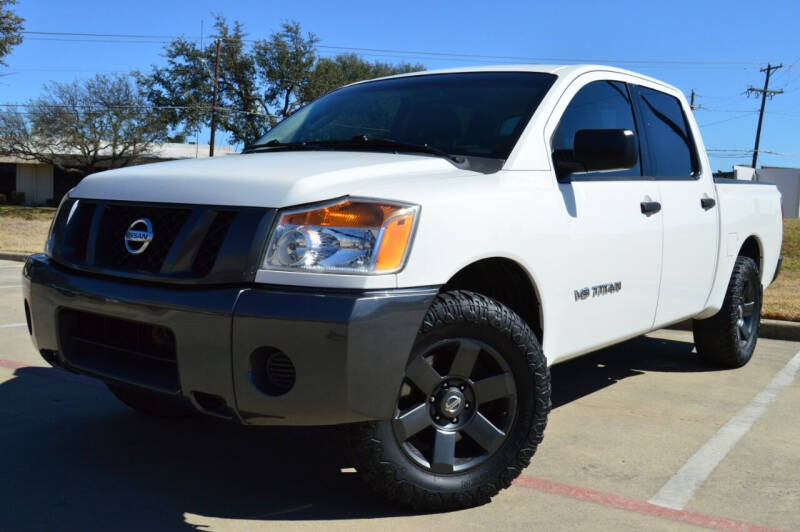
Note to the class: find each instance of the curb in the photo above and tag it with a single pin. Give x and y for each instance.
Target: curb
(19, 257)
(773, 329)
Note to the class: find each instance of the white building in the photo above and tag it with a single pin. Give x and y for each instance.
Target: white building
(43, 183)
(786, 179)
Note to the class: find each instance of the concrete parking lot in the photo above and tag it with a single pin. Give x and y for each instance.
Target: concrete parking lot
(643, 421)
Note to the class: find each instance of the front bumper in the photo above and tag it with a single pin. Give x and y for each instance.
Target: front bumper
(348, 349)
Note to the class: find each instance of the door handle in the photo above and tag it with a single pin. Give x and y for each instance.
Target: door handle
(650, 207)
(707, 203)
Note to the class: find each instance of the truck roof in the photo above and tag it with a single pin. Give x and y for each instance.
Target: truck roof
(559, 70)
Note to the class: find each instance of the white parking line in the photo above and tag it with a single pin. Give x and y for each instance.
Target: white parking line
(12, 286)
(678, 490)
(10, 325)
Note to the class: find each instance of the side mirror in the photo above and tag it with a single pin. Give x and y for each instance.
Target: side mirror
(596, 150)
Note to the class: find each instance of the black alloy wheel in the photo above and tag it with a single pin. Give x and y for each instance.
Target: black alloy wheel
(456, 406)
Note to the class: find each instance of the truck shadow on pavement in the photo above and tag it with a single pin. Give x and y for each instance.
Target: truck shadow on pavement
(592, 372)
(73, 458)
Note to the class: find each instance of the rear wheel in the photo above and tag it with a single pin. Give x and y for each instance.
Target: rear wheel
(150, 403)
(729, 337)
(470, 412)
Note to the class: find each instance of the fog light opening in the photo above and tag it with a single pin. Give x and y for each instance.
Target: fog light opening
(272, 371)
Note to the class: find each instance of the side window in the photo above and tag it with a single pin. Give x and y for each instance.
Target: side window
(669, 142)
(598, 105)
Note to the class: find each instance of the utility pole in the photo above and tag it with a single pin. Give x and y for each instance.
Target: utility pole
(691, 103)
(765, 92)
(214, 104)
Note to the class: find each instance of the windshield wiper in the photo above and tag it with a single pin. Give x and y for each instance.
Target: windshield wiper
(365, 140)
(358, 140)
(303, 145)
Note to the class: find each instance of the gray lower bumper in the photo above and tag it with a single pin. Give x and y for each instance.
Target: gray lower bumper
(348, 349)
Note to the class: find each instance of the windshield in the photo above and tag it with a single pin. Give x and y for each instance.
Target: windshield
(479, 114)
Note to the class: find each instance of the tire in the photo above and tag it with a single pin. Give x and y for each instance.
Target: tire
(728, 338)
(152, 404)
(464, 462)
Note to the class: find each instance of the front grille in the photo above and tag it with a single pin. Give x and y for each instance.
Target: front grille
(209, 249)
(124, 350)
(111, 252)
(187, 241)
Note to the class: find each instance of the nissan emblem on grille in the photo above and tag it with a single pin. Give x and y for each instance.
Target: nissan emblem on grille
(138, 236)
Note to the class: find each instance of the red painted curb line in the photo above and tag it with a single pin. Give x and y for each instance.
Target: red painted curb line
(636, 505)
(11, 364)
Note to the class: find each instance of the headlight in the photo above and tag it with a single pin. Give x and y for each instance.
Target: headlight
(350, 236)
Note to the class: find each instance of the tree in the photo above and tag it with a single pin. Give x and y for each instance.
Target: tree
(83, 126)
(258, 86)
(331, 73)
(10, 29)
(183, 89)
(284, 63)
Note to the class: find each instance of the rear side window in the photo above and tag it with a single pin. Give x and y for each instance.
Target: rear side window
(598, 105)
(669, 142)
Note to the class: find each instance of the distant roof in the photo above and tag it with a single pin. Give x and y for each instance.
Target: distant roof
(165, 151)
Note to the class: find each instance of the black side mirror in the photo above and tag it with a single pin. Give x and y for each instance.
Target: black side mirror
(596, 150)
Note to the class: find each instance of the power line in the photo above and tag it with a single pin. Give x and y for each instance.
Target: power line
(425, 53)
(765, 92)
(27, 107)
(726, 120)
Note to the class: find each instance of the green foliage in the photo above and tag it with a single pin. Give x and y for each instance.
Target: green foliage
(259, 85)
(331, 73)
(10, 28)
(85, 126)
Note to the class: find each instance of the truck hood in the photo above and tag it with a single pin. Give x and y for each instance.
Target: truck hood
(279, 179)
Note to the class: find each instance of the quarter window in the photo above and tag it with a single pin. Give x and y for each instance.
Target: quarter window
(598, 105)
(669, 141)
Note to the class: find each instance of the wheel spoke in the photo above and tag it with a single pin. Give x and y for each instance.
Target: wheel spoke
(444, 452)
(748, 309)
(744, 331)
(465, 358)
(496, 387)
(412, 422)
(484, 433)
(423, 375)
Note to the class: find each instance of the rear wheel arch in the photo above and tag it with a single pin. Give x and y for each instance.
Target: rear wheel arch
(751, 247)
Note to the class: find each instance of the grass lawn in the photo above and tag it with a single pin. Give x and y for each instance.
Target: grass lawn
(24, 229)
(782, 299)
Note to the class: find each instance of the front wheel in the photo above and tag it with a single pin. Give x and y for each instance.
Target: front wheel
(470, 413)
(728, 338)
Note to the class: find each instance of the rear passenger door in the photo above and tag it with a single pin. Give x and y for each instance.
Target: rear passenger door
(688, 199)
(614, 250)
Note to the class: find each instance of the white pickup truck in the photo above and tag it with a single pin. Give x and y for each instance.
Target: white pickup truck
(408, 256)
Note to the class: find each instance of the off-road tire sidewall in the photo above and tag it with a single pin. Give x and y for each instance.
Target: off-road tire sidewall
(716, 338)
(379, 457)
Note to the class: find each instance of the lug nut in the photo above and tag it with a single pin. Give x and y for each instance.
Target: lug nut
(454, 420)
(445, 384)
(433, 399)
(466, 405)
(438, 418)
(462, 387)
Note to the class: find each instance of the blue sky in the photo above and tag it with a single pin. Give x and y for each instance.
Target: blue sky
(738, 37)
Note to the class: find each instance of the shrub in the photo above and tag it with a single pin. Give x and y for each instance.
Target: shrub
(3, 199)
(16, 198)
